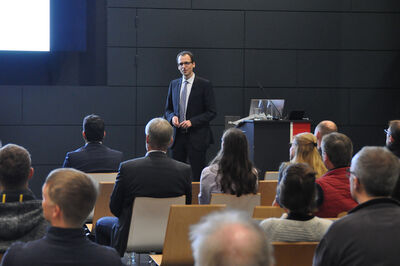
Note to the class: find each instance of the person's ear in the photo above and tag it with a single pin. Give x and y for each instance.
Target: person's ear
(31, 172)
(84, 135)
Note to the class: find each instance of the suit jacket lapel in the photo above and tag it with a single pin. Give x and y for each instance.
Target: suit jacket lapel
(177, 94)
(191, 94)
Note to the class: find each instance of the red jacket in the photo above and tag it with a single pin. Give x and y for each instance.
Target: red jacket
(336, 193)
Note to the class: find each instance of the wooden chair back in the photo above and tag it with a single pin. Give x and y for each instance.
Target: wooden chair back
(100, 177)
(149, 223)
(245, 202)
(271, 175)
(340, 215)
(294, 253)
(195, 192)
(264, 212)
(177, 250)
(267, 189)
(104, 177)
(102, 206)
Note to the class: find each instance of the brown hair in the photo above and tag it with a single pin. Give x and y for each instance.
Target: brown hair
(74, 192)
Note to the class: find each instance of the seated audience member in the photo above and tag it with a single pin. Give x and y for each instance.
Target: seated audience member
(334, 187)
(304, 150)
(94, 157)
(155, 175)
(296, 193)
(324, 128)
(229, 238)
(21, 216)
(393, 137)
(68, 197)
(369, 233)
(231, 171)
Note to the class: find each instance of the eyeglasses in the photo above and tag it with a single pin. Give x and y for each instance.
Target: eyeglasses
(387, 132)
(349, 173)
(184, 63)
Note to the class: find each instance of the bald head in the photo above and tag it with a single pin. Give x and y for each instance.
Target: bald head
(324, 127)
(229, 238)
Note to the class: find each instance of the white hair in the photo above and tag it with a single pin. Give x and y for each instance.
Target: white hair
(230, 238)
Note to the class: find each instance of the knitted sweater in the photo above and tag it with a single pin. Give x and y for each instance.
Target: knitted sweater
(282, 229)
(21, 221)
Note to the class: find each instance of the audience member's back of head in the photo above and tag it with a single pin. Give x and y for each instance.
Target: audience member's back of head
(159, 133)
(394, 130)
(339, 149)
(238, 176)
(326, 127)
(296, 191)
(15, 166)
(93, 126)
(229, 238)
(74, 192)
(305, 150)
(377, 169)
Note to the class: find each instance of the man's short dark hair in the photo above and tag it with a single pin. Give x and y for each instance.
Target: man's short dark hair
(93, 126)
(394, 129)
(297, 188)
(377, 169)
(15, 165)
(189, 53)
(339, 149)
(74, 192)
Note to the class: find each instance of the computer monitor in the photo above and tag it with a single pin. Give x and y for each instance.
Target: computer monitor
(268, 108)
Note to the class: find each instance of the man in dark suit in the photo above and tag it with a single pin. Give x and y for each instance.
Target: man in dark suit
(68, 197)
(94, 157)
(155, 175)
(189, 108)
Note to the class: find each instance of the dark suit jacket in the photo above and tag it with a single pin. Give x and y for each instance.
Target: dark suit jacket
(154, 175)
(94, 158)
(61, 247)
(200, 110)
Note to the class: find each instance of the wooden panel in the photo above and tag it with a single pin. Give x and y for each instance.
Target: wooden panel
(267, 189)
(150, 3)
(195, 192)
(121, 67)
(11, 104)
(294, 253)
(190, 28)
(121, 28)
(264, 212)
(102, 206)
(59, 105)
(348, 68)
(270, 68)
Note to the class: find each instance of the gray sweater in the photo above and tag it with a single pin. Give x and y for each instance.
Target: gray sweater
(21, 221)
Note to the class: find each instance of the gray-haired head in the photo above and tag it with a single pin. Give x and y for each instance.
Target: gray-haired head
(230, 238)
(159, 134)
(377, 169)
(339, 149)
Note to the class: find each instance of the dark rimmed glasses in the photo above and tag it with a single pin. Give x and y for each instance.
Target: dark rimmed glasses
(184, 63)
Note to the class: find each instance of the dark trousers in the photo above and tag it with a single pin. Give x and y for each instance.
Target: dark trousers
(104, 227)
(183, 151)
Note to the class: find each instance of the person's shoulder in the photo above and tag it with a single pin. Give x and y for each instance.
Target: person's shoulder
(29, 249)
(113, 150)
(78, 150)
(179, 164)
(201, 80)
(108, 255)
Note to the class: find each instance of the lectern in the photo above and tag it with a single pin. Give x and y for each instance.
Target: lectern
(269, 141)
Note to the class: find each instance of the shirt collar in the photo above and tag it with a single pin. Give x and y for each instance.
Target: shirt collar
(190, 80)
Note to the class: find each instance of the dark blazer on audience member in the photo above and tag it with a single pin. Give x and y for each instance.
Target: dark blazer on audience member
(61, 247)
(94, 158)
(155, 175)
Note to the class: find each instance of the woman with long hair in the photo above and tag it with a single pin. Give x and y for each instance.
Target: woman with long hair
(231, 171)
(304, 150)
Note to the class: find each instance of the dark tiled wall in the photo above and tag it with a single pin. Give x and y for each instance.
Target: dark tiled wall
(337, 60)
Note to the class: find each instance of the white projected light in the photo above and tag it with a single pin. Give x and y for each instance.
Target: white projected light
(25, 25)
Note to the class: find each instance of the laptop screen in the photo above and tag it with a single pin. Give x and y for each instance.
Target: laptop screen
(272, 107)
